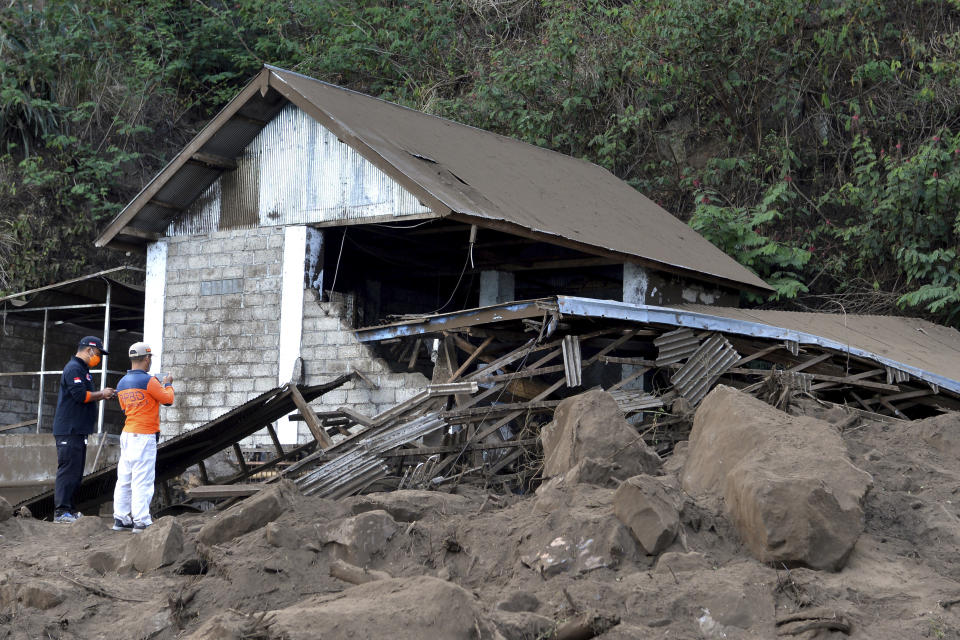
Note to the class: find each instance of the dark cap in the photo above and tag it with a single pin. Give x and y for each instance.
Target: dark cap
(92, 341)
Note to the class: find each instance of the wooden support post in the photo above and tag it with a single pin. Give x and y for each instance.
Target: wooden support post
(240, 460)
(812, 361)
(276, 440)
(610, 347)
(204, 478)
(473, 356)
(165, 491)
(310, 417)
(758, 354)
(413, 355)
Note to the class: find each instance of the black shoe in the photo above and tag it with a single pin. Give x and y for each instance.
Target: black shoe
(119, 526)
(138, 528)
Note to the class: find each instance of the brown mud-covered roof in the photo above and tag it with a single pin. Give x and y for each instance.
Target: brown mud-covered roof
(459, 171)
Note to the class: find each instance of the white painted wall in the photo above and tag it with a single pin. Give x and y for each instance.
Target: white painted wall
(636, 282)
(291, 316)
(154, 293)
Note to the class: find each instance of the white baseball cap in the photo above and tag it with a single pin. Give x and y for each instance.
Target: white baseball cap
(140, 349)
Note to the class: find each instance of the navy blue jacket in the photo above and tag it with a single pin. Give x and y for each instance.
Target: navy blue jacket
(73, 414)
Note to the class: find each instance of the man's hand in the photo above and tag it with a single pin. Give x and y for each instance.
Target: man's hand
(168, 379)
(107, 393)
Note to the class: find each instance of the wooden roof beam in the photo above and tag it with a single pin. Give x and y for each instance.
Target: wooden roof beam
(213, 160)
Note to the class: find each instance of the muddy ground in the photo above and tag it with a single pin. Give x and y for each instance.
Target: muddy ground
(471, 564)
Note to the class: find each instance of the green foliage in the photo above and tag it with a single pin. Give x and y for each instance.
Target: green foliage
(759, 121)
(903, 218)
(740, 232)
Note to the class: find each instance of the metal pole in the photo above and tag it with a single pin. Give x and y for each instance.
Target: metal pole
(103, 365)
(43, 360)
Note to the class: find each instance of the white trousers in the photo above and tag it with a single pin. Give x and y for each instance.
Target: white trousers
(135, 476)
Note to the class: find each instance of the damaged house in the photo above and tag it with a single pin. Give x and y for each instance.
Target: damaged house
(375, 298)
(304, 211)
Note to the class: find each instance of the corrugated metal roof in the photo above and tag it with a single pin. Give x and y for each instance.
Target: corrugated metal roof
(927, 351)
(474, 175)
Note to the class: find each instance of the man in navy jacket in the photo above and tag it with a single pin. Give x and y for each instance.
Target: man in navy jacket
(73, 422)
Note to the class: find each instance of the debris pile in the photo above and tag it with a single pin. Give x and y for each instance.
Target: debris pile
(688, 546)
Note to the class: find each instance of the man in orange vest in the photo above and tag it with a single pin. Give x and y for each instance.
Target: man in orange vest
(140, 395)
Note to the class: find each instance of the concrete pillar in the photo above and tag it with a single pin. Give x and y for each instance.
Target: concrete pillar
(155, 285)
(315, 259)
(496, 287)
(636, 282)
(291, 316)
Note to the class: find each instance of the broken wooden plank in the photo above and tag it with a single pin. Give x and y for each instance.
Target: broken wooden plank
(25, 423)
(313, 422)
(211, 491)
(629, 335)
(811, 362)
(758, 354)
(473, 356)
(414, 354)
(633, 376)
(866, 384)
(357, 417)
(240, 460)
(455, 448)
(275, 439)
(484, 412)
(848, 379)
(524, 373)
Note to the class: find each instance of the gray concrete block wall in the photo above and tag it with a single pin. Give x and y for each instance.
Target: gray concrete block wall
(21, 341)
(221, 331)
(329, 348)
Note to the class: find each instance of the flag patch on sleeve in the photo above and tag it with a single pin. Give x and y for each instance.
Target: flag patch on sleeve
(77, 380)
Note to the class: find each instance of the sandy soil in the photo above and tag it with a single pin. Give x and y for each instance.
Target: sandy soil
(465, 565)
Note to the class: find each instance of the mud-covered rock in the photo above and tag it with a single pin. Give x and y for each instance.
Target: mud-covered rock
(643, 504)
(250, 514)
(360, 538)
(786, 482)
(281, 536)
(519, 601)
(578, 533)
(421, 607)
(679, 562)
(590, 425)
(158, 546)
(40, 594)
(102, 562)
(6, 511)
(410, 505)
(522, 625)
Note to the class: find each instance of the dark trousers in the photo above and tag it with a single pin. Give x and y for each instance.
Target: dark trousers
(71, 458)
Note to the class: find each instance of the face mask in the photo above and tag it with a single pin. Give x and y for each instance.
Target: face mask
(94, 360)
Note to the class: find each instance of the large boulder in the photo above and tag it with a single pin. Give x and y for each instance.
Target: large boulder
(578, 533)
(360, 538)
(6, 511)
(786, 482)
(421, 607)
(643, 504)
(158, 546)
(251, 514)
(590, 425)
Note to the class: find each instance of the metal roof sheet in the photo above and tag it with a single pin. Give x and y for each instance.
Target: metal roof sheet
(474, 175)
(927, 351)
